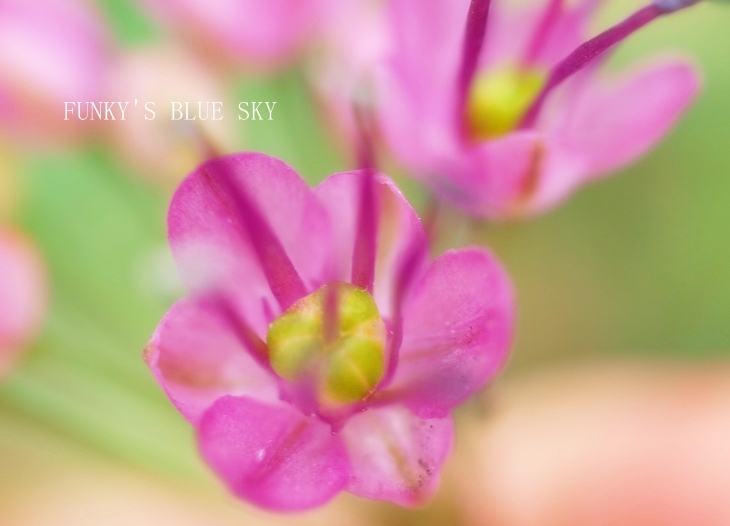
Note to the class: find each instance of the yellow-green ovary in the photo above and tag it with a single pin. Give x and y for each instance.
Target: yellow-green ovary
(498, 100)
(348, 362)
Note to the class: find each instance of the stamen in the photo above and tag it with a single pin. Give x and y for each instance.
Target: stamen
(364, 251)
(547, 21)
(593, 48)
(404, 279)
(331, 316)
(476, 28)
(670, 6)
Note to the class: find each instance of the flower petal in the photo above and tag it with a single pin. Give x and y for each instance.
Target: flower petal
(197, 358)
(219, 247)
(513, 32)
(260, 32)
(395, 455)
(273, 455)
(400, 235)
(457, 330)
(417, 98)
(23, 294)
(493, 178)
(612, 125)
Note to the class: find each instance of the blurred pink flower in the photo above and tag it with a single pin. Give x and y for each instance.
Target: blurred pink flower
(51, 52)
(475, 123)
(623, 443)
(23, 295)
(320, 349)
(161, 149)
(259, 32)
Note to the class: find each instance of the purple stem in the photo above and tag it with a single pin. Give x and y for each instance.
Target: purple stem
(476, 28)
(586, 53)
(284, 280)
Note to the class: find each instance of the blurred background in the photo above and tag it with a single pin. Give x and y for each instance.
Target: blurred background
(623, 340)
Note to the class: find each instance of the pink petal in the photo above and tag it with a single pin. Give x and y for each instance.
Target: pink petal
(417, 96)
(23, 294)
(612, 125)
(211, 234)
(273, 455)
(255, 30)
(457, 330)
(490, 179)
(413, 29)
(395, 455)
(50, 52)
(400, 235)
(512, 31)
(196, 357)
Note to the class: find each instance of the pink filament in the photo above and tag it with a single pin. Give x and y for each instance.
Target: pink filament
(476, 28)
(364, 251)
(586, 53)
(545, 24)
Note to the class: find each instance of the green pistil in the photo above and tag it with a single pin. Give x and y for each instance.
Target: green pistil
(347, 361)
(498, 100)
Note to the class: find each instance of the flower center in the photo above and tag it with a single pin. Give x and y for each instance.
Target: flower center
(498, 100)
(334, 337)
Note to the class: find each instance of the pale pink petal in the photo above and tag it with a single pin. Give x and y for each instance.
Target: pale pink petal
(161, 149)
(416, 53)
(23, 294)
(197, 357)
(395, 455)
(512, 33)
(416, 90)
(50, 52)
(273, 455)
(490, 179)
(457, 330)
(253, 30)
(400, 235)
(612, 124)
(212, 233)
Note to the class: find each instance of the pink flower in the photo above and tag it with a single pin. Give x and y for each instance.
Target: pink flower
(23, 295)
(51, 52)
(320, 350)
(260, 32)
(510, 116)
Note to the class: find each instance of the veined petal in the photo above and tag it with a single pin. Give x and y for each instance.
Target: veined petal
(400, 234)
(273, 455)
(457, 330)
(245, 248)
(197, 357)
(395, 455)
(612, 125)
